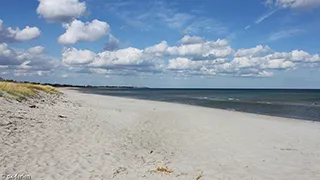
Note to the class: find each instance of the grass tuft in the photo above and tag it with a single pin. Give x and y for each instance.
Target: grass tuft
(164, 169)
(199, 176)
(25, 90)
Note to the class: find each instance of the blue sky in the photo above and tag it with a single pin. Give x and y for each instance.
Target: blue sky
(160, 43)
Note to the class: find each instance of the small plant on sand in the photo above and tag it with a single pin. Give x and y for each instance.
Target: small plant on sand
(24, 90)
(199, 176)
(165, 170)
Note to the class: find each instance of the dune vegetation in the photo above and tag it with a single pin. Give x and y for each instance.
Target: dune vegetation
(24, 90)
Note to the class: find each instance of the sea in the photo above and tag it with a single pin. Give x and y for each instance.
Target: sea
(290, 103)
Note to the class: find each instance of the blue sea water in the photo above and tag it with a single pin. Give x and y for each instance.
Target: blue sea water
(291, 103)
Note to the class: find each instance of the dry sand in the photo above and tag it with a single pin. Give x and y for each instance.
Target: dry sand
(83, 136)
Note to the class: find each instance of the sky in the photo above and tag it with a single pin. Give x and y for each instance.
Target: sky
(162, 43)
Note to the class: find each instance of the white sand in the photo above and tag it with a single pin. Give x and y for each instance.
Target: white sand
(112, 138)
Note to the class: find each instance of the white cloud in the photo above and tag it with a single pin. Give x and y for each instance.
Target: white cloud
(128, 56)
(8, 55)
(72, 56)
(26, 34)
(201, 57)
(29, 62)
(5, 72)
(23, 72)
(100, 71)
(158, 49)
(65, 75)
(295, 4)
(314, 59)
(278, 64)
(129, 59)
(36, 50)
(191, 40)
(77, 31)
(3, 67)
(193, 46)
(297, 55)
(9, 34)
(61, 10)
(257, 62)
(206, 50)
(245, 62)
(256, 51)
(285, 34)
(184, 63)
(265, 74)
(270, 61)
(113, 43)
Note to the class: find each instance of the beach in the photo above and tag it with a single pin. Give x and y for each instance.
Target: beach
(86, 136)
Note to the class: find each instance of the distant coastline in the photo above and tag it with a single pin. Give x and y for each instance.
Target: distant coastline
(71, 85)
(159, 88)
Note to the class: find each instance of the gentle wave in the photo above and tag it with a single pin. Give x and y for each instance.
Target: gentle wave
(304, 104)
(259, 102)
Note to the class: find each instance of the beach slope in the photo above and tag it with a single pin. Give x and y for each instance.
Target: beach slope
(86, 136)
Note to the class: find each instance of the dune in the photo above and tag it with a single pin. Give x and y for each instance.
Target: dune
(86, 136)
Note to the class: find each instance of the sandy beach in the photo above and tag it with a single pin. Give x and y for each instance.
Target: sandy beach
(86, 136)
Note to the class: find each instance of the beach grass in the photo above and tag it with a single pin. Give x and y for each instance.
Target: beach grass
(164, 169)
(25, 90)
(199, 176)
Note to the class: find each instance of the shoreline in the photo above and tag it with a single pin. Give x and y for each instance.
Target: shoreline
(90, 136)
(192, 105)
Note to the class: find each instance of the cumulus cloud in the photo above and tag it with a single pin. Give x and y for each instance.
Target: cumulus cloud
(191, 40)
(205, 50)
(129, 59)
(61, 10)
(193, 47)
(258, 50)
(158, 49)
(72, 56)
(184, 63)
(29, 62)
(36, 50)
(8, 56)
(296, 56)
(9, 34)
(77, 31)
(240, 66)
(259, 61)
(100, 71)
(193, 56)
(112, 44)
